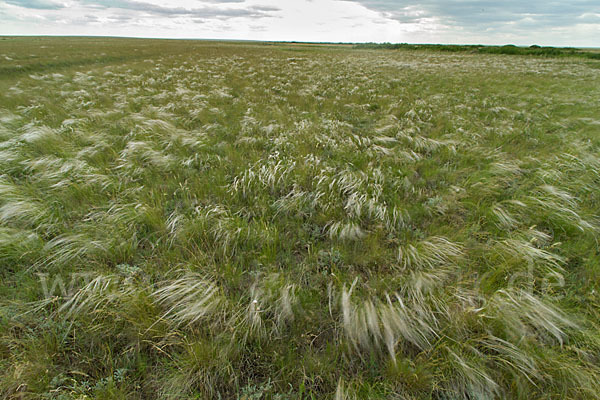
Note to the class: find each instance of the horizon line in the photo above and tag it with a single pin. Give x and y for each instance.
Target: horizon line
(279, 41)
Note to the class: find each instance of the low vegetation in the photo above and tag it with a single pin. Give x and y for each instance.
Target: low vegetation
(534, 50)
(187, 219)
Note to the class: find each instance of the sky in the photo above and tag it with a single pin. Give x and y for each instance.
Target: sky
(520, 22)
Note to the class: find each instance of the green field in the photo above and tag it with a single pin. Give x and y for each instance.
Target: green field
(206, 220)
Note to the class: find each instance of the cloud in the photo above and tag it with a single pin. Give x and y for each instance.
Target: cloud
(471, 14)
(36, 4)
(197, 12)
(573, 23)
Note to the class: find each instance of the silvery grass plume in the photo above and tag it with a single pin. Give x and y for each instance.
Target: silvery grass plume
(298, 203)
(272, 174)
(350, 231)
(52, 168)
(504, 219)
(428, 253)
(511, 357)
(285, 304)
(19, 208)
(523, 315)
(74, 176)
(184, 140)
(365, 207)
(213, 224)
(372, 324)
(506, 168)
(559, 206)
(9, 158)
(425, 322)
(469, 379)
(138, 153)
(99, 151)
(344, 182)
(267, 310)
(38, 134)
(252, 318)
(161, 229)
(424, 145)
(189, 299)
(151, 126)
(102, 295)
(587, 164)
(17, 245)
(227, 232)
(520, 249)
(66, 248)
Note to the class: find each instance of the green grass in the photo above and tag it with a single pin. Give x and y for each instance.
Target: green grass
(292, 221)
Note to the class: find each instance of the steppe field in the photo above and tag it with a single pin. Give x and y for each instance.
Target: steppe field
(206, 220)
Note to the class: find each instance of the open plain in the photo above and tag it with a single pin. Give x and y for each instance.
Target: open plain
(197, 219)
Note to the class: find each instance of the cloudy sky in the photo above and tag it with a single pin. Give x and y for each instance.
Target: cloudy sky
(522, 22)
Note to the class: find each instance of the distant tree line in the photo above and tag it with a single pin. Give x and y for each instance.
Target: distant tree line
(533, 50)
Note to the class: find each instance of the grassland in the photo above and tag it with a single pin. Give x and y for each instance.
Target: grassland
(250, 221)
(534, 50)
